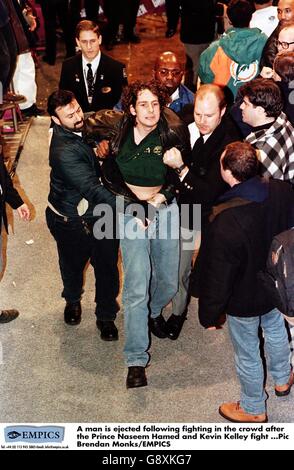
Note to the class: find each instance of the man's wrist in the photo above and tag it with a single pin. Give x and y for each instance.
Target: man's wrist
(180, 169)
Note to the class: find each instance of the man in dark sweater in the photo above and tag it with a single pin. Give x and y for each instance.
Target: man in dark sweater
(234, 252)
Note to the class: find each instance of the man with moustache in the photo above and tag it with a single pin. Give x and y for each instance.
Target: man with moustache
(75, 189)
(169, 71)
(285, 15)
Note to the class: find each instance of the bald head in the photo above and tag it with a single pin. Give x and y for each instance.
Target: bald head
(213, 90)
(286, 37)
(168, 70)
(209, 108)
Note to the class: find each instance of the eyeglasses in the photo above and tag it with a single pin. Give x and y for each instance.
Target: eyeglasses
(284, 44)
(165, 72)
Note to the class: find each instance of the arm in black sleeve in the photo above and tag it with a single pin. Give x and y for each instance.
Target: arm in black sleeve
(12, 197)
(219, 269)
(203, 189)
(78, 171)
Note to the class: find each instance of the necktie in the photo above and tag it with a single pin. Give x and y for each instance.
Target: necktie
(199, 143)
(198, 157)
(90, 83)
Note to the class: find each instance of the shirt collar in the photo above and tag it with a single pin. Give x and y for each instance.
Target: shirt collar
(175, 96)
(95, 63)
(195, 134)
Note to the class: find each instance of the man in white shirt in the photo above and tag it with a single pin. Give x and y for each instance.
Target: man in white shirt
(265, 17)
(95, 79)
(200, 182)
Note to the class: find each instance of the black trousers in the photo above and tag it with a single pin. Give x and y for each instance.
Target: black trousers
(51, 9)
(76, 246)
(172, 10)
(92, 8)
(131, 8)
(8, 55)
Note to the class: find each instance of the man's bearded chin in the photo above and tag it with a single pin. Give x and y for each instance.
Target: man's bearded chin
(77, 125)
(75, 128)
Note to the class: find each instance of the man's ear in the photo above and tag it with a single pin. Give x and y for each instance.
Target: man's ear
(56, 120)
(223, 111)
(260, 110)
(78, 43)
(100, 39)
(132, 110)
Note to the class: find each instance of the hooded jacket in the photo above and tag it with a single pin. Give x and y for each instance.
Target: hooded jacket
(233, 59)
(236, 247)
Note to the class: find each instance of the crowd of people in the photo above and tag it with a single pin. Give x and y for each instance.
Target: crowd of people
(148, 154)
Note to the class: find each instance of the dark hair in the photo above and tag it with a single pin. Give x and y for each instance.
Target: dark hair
(239, 13)
(261, 2)
(86, 25)
(58, 99)
(130, 95)
(266, 93)
(241, 159)
(284, 66)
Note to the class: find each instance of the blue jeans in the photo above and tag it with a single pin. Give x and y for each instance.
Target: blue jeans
(244, 335)
(150, 264)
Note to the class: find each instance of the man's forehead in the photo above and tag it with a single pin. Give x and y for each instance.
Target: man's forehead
(146, 95)
(87, 35)
(68, 108)
(207, 99)
(170, 62)
(287, 33)
(283, 4)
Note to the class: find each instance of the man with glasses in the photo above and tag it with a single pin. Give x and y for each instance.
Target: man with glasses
(169, 71)
(285, 16)
(285, 40)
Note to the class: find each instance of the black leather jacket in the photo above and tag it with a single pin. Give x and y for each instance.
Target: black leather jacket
(115, 125)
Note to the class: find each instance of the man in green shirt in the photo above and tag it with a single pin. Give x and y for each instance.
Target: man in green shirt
(137, 140)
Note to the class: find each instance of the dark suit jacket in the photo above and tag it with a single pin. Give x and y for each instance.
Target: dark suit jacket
(203, 184)
(9, 194)
(110, 79)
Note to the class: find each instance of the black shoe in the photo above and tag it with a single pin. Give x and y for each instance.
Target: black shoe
(72, 313)
(174, 325)
(8, 315)
(33, 111)
(158, 326)
(108, 330)
(136, 377)
(170, 32)
(48, 60)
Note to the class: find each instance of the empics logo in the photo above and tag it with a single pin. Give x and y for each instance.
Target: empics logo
(34, 433)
